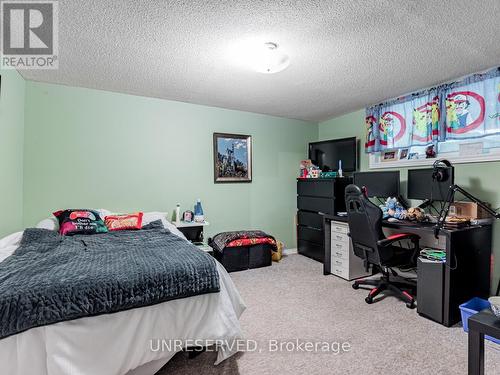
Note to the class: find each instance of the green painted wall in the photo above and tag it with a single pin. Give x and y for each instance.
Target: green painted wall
(89, 148)
(11, 151)
(481, 179)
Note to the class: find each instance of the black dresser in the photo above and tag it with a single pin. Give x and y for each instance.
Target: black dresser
(317, 196)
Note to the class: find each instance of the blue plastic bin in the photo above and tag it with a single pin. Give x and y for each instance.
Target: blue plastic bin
(472, 307)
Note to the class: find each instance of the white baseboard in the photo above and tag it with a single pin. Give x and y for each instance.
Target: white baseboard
(290, 251)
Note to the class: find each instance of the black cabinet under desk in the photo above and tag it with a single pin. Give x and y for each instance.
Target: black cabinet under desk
(465, 274)
(315, 197)
(441, 287)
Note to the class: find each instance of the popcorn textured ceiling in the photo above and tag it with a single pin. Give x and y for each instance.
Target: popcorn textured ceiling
(344, 54)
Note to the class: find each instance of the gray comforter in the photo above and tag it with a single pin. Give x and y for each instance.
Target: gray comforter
(52, 278)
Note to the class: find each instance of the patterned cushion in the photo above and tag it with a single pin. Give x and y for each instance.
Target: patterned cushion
(124, 222)
(79, 221)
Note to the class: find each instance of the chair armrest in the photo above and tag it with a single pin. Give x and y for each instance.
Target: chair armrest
(398, 237)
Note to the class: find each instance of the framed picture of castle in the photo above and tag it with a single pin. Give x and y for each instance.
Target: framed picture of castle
(232, 158)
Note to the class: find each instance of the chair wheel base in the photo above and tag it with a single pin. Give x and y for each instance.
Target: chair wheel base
(355, 286)
(410, 305)
(369, 300)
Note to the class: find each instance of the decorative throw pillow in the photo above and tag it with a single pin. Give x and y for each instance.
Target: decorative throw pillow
(124, 222)
(79, 221)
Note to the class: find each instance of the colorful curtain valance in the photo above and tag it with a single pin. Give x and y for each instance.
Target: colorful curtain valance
(469, 108)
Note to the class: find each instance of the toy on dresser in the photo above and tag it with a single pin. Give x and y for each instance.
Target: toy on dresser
(309, 170)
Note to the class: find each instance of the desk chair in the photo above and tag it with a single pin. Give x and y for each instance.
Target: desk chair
(370, 244)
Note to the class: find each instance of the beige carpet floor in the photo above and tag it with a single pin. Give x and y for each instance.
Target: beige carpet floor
(293, 299)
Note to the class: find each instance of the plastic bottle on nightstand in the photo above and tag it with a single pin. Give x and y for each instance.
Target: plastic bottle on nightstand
(198, 212)
(178, 214)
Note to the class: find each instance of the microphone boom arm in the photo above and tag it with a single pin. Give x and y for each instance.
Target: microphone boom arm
(443, 214)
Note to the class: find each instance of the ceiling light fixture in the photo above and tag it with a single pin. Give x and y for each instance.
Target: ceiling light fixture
(269, 59)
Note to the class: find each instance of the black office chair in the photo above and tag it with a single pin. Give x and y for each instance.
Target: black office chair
(370, 244)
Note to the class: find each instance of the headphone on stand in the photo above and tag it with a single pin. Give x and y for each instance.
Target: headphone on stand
(441, 170)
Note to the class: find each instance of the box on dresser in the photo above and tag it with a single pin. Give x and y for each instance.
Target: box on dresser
(316, 197)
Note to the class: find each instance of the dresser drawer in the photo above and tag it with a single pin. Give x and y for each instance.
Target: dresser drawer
(310, 219)
(340, 237)
(339, 227)
(340, 250)
(340, 271)
(311, 250)
(325, 205)
(339, 263)
(310, 234)
(316, 188)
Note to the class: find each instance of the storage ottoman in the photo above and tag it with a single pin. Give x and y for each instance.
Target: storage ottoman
(244, 257)
(238, 258)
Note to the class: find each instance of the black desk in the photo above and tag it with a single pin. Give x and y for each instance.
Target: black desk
(480, 324)
(467, 270)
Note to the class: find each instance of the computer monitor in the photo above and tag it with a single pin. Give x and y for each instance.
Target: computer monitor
(378, 184)
(422, 186)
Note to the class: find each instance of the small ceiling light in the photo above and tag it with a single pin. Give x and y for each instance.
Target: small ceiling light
(270, 59)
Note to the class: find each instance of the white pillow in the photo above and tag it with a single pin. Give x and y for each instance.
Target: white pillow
(51, 223)
(149, 217)
(102, 212)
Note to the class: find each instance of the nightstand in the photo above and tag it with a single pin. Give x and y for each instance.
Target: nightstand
(192, 230)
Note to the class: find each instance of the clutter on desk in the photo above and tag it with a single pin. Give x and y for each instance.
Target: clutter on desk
(392, 208)
(456, 222)
(487, 221)
(416, 214)
(469, 210)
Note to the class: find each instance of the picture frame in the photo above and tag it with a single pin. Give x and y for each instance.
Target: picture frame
(232, 158)
(389, 155)
(403, 154)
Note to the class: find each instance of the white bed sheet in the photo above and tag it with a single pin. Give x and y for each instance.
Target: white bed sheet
(120, 343)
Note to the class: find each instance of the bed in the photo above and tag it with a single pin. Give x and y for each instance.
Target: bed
(134, 341)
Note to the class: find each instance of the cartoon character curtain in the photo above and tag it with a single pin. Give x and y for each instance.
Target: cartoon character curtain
(473, 106)
(403, 122)
(466, 109)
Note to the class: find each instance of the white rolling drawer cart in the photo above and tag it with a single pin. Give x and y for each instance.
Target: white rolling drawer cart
(343, 262)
